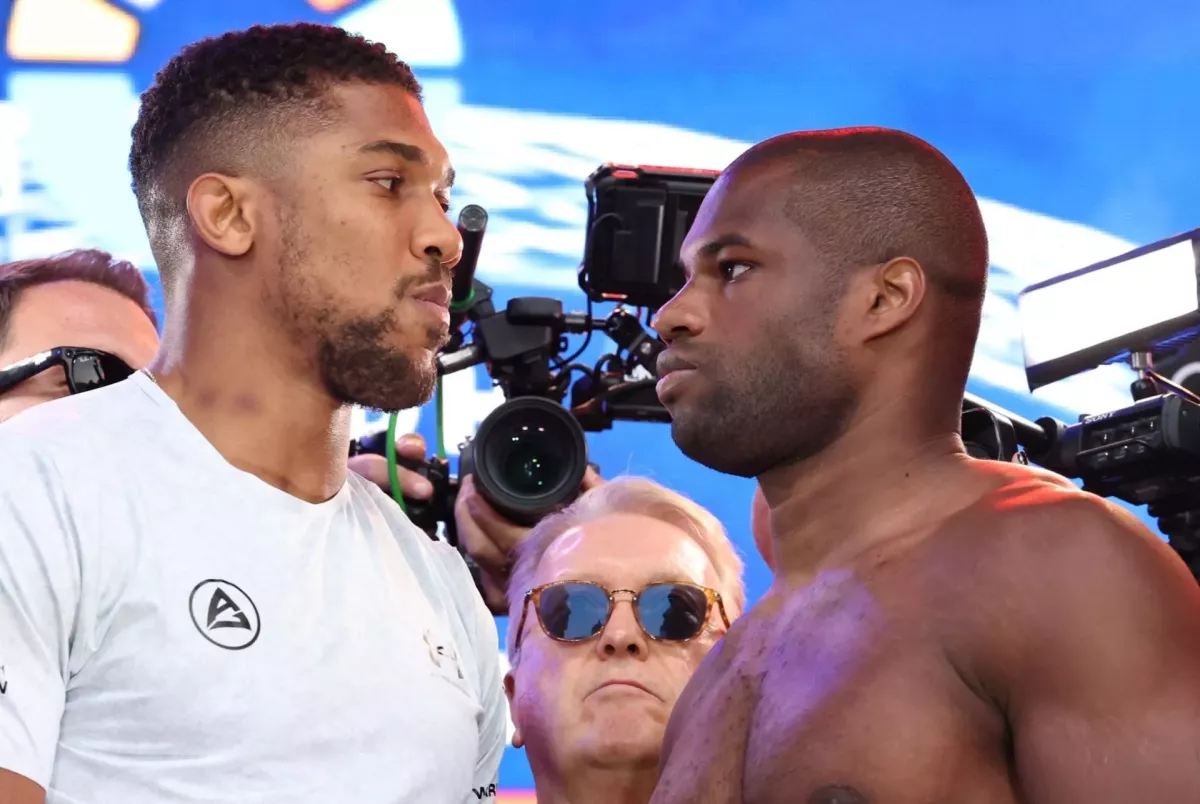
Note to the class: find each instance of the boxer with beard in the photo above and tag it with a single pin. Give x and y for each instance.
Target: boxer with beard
(197, 600)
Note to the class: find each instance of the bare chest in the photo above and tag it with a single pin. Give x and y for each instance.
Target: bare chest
(846, 705)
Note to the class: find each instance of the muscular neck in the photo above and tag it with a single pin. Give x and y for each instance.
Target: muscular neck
(252, 396)
(876, 483)
(592, 785)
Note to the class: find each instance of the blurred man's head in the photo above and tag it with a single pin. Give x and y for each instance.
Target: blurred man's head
(830, 275)
(603, 701)
(83, 299)
(288, 178)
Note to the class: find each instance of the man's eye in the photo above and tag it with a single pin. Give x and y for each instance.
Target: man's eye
(445, 203)
(731, 270)
(389, 183)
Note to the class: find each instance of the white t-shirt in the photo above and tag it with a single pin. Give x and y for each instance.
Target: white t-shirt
(173, 629)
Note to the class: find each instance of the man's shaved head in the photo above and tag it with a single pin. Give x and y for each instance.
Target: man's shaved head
(825, 268)
(863, 196)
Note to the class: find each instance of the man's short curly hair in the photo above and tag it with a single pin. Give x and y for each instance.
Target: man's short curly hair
(231, 104)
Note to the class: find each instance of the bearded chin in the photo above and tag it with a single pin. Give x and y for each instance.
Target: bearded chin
(358, 369)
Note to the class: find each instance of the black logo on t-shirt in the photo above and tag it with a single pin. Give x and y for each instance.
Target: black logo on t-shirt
(224, 614)
(221, 604)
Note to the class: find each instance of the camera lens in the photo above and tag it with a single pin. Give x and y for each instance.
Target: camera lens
(527, 467)
(528, 457)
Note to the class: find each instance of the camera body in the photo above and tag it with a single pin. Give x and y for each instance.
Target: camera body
(638, 216)
(529, 456)
(988, 434)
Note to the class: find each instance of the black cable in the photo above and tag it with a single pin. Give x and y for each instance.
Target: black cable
(603, 363)
(582, 369)
(591, 245)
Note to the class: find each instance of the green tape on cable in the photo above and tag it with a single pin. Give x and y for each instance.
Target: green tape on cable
(441, 430)
(393, 473)
(465, 304)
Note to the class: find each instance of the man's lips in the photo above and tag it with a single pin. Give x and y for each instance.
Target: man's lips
(669, 361)
(434, 294)
(626, 682)
(436, 298)
(672, 370)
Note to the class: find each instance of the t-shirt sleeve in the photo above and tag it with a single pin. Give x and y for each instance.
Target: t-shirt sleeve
(39, 592)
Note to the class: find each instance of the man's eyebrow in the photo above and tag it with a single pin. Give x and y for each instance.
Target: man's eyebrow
(667, 577)
(409, 153)
(650, 580)
(713, 247)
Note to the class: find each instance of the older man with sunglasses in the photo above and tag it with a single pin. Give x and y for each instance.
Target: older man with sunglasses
(613, 603)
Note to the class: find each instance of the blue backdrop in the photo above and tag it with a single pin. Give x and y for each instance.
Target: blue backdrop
(1073, 121)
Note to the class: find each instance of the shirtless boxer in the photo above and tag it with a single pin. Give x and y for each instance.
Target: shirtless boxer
(941, 629)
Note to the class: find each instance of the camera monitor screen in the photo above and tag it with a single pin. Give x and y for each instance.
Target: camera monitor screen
(1139, 301)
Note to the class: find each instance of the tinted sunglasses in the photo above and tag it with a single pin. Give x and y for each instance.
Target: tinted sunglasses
(86, 369)
(576, 611)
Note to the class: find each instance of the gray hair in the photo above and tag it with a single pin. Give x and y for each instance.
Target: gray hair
(627, 495)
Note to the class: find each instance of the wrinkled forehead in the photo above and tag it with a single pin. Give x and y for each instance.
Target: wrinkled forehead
(625, 551)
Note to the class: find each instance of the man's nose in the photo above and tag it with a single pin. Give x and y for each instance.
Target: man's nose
(436, 239)
(682, 316)
(622, 635)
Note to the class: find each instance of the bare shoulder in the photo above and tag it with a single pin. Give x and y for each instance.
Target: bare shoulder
(1038, 571)
(1038, 522)
(1082, 627)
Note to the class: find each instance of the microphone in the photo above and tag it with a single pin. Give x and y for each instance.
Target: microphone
(472, 223)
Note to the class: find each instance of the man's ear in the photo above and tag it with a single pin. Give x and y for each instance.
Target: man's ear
(222, 211)
(510, 687)
(891, 295)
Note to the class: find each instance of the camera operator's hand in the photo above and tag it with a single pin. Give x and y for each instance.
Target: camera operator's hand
(490, 539)
(375, 468)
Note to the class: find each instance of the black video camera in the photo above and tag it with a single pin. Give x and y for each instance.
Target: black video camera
(1134, 308)
(1145, 454)
(529, 456)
